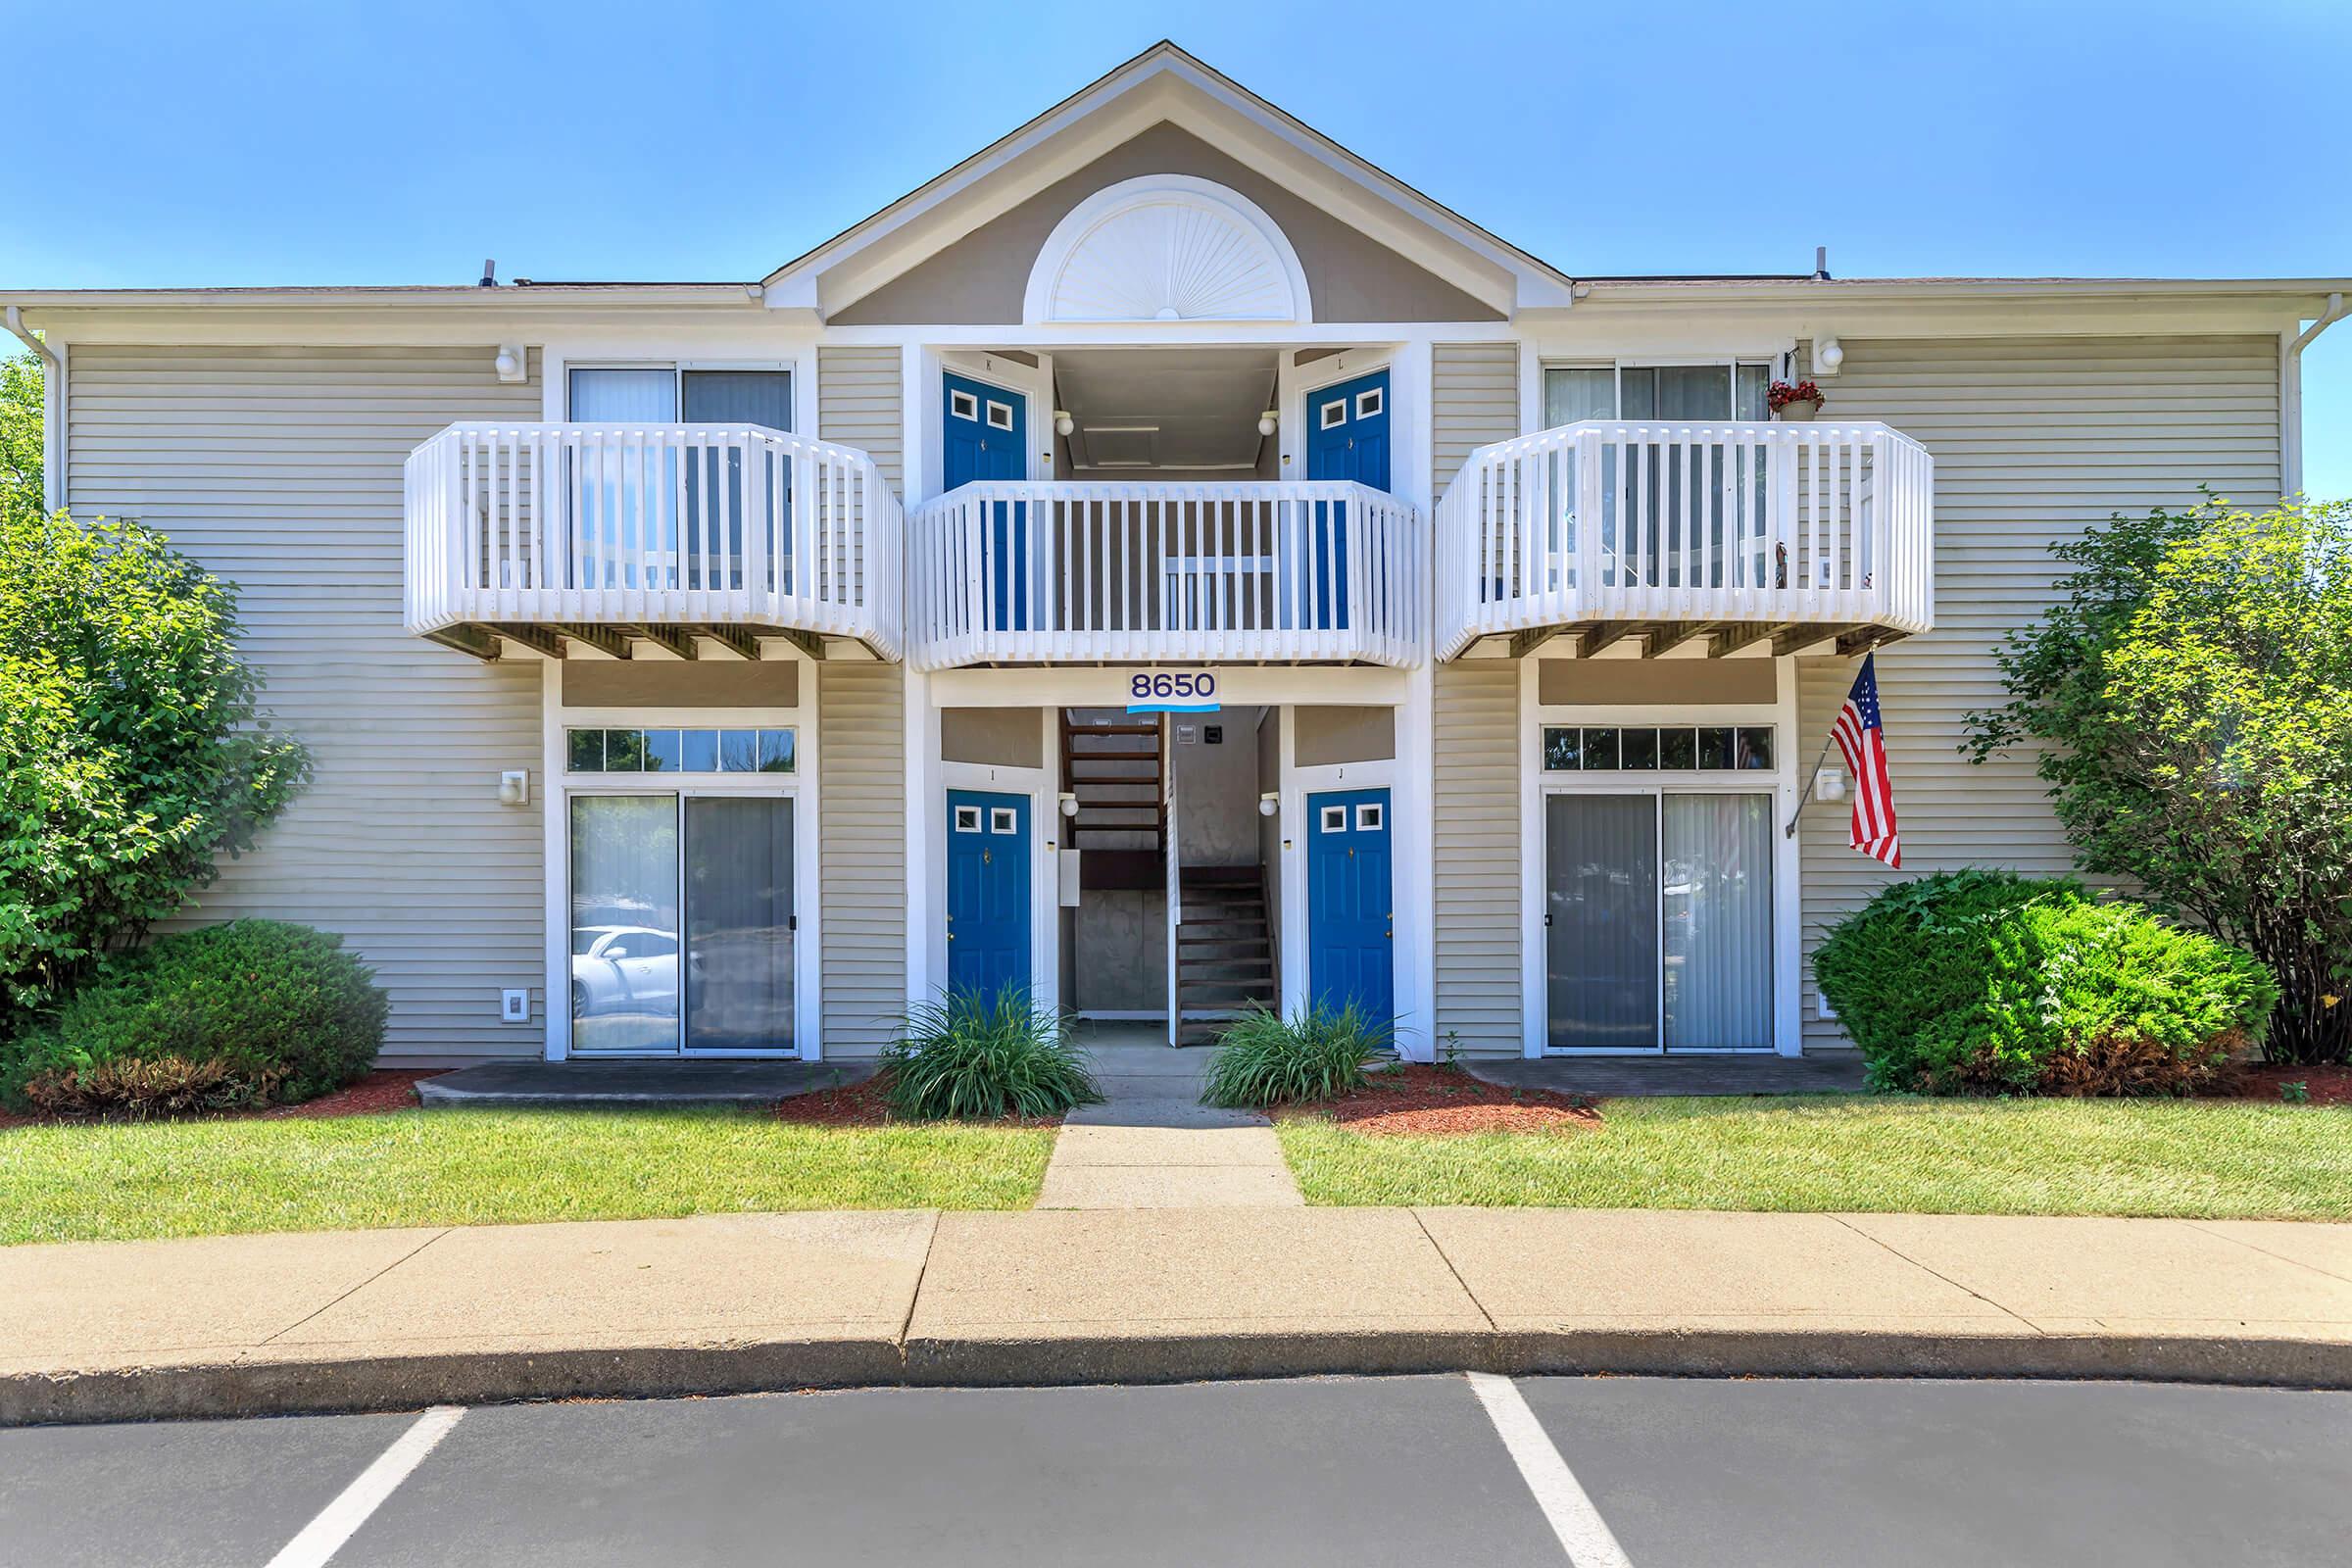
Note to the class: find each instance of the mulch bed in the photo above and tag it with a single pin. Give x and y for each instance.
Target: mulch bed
(385, 1089)
(861, 1105)
(1421, 1100)
(2328, 1086)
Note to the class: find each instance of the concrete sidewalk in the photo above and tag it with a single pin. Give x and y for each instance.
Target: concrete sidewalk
(399, 1319)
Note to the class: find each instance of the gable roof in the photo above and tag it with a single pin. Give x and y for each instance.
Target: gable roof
(1165, 83)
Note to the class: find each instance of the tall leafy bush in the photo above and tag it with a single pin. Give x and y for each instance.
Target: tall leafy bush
(1989, 981)
(2191, 700)
(985, 1055)
(132, 753)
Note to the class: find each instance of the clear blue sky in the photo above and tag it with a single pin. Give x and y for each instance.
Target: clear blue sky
(387, 143)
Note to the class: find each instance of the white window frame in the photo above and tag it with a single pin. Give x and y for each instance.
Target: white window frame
(1775, 367)
(799, 786)
(1780, 782)
(790, 369)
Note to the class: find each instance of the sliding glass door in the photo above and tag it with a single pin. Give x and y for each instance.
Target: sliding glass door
(1658, 921)
(682, 924)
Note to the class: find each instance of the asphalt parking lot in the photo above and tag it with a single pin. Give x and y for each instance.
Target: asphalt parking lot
(1646, 1472)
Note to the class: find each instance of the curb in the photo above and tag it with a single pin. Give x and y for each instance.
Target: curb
(199, 1390)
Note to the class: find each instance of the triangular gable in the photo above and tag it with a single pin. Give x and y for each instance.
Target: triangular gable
(1165, 87)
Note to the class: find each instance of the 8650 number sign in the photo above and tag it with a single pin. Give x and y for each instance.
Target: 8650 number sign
(1189, 691)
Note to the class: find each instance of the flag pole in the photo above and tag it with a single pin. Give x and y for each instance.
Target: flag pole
(1810, 780)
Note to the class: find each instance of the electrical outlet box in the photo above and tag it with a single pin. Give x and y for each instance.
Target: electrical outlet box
(515, 1005)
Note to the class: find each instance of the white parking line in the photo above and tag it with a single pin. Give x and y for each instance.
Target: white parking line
(1584, 1535)
(340, 1519)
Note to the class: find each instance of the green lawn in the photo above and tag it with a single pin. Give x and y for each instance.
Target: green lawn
(2209, 1159)
(482, 1167)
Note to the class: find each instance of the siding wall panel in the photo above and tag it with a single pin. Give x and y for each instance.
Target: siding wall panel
(279, 469)
(2035, 441)
(858, 405)
(862, 867)
(1478, 856)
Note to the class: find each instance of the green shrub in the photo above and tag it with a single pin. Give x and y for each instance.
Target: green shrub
(1266, 1059)
(252, 1013)
(1989, 981)
(983, 1056)
(132, 753)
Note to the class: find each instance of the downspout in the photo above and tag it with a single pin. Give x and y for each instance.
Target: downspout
(2290, 374)
(53, 411)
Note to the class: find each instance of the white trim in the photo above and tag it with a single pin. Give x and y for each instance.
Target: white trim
(1203, 200)
(1106, 686)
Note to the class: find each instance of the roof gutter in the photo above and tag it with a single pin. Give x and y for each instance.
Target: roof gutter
(53, 410)
(15, 324)
(2290, 393)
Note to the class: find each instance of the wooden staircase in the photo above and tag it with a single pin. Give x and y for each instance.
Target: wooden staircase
(1224, 949)
(1116, 768)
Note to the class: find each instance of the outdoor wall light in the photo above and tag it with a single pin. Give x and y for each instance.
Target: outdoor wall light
(1828, 355)
(1266, 423)
(514, 787)
(1063, 425)
(1268, 804)
(512, 362)
(1069, 804)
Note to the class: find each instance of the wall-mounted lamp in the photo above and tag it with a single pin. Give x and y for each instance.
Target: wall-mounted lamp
(1266, 423)
(1828, 355)
(1069, 804)
(513, 363)
(1268, 804)
(1829, 785)
(514, 787)
(1063, 425)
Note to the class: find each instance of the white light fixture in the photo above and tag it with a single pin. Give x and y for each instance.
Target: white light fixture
(1268, 804)
(514, 787)
(1063, 425)
(1069, 804)
(1266, 423)
(1829, 785)
(1828, 355)
(513, 363)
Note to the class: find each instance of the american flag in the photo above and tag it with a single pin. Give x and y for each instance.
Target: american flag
(1863, 739)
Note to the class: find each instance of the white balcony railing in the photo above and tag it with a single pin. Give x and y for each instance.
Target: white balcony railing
(1612, 521)
(1012, 572)
(600, 524)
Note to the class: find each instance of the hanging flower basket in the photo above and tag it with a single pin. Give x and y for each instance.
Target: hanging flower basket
(1793, 402)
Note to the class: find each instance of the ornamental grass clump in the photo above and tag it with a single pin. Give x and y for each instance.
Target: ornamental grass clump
(1988, 982)
(977, 1055)
(1266, 1059)
(227, 1017)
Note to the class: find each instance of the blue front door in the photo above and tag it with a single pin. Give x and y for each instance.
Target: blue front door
(1347, 438)
(984, 434)
(1349, 914)
(988, 891)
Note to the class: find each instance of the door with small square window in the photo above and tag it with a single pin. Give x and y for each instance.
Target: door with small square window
(1347, 438)
(1350, 913)
(988, 892)
(984, 434)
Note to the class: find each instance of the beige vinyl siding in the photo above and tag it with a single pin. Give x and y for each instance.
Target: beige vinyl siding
(1476, 796)
(858, 404)
(861, 783)
(279, 469)
(2034, 440)
(1474, 400)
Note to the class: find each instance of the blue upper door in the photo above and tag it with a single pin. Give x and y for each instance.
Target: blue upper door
(985, 435)
(988, 891)
(1347, 438)
(1351, 925)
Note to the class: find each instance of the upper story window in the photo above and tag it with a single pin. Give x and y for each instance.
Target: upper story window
(670, 394)
(1724, 391)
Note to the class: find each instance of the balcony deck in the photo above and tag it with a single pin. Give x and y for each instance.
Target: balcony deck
(1013, 573)
(1681, 534)
(554, 533)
